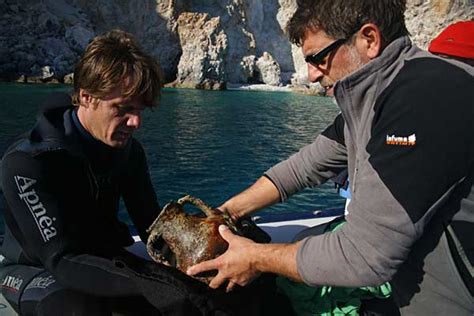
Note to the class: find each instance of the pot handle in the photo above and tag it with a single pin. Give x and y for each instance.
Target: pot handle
(199, 204)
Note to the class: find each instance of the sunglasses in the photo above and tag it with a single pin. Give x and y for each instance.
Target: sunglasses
(320, 57)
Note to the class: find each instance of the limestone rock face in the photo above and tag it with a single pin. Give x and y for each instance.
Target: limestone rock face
(248, 69)
(153, 23)
(69, 78)
(77, 37)
(269, 70)
(241, 39)
(267, 21)
(204, 45)
(35, 35)
(200, 43)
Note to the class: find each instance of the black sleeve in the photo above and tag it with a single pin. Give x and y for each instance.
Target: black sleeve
(46, 221)
(335, 131)
(138, 193)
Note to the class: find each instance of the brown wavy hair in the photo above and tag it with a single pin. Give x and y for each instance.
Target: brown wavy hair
(342, 18)
(112, 60)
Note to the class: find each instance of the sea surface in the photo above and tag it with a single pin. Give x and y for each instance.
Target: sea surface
(205, 143)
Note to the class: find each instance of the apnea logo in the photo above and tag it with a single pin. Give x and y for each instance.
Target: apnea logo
(401, 141)
(31, 198)
(12, 283)
(40, 282)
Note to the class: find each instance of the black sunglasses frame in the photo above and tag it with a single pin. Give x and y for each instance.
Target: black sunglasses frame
(318, 58)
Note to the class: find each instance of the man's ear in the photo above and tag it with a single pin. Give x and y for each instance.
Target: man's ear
(85, 98)
(370, 40)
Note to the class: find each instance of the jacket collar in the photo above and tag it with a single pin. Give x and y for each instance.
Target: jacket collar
(360, 89)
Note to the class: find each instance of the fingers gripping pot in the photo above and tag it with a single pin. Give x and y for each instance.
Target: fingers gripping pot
(191, 238)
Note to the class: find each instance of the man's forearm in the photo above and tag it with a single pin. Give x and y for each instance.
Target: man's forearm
(277, 258)
(261, 194)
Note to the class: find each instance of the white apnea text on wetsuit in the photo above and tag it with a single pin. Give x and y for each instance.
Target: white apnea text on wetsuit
(37, 210)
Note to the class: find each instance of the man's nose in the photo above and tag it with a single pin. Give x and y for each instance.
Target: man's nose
(314, 73)
(134, 120)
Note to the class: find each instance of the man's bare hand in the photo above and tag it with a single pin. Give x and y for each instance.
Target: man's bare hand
(235, 266)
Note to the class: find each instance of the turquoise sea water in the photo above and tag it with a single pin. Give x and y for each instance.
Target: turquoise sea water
(206, 143)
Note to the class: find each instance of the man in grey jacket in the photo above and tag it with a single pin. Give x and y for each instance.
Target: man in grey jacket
(405, 133)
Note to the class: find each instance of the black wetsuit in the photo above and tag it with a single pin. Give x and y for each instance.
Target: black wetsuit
(62, 191)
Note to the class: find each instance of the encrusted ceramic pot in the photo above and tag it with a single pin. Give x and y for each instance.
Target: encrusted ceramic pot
(191, 238)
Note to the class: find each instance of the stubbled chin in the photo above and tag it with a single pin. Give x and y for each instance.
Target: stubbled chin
(121, 137)
(118, 144)
(119, 141)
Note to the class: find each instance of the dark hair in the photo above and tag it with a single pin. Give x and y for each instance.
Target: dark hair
(109, 60)
(342, 18)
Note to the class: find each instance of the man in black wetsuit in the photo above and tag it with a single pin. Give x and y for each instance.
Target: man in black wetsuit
(64, 179)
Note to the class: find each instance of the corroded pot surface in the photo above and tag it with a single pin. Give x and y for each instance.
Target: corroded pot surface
(191, 238)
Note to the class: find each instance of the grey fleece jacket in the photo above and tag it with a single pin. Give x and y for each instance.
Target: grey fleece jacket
(405, 133)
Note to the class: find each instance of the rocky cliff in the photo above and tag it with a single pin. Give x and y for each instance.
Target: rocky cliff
(199, 43)
(204, 49)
